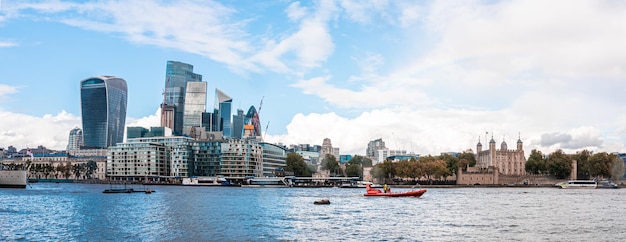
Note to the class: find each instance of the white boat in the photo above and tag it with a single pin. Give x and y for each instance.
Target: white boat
(269, 182)
(361, 184)
(205, 181)
(578, 184)
(13, 179)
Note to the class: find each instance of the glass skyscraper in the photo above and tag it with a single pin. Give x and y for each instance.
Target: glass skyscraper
(177, 75)
(252, 118)
(223, 108)
(103, 106)
(238, 124)
(195, 104)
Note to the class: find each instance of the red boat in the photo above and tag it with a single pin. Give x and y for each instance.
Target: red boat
(372, 192)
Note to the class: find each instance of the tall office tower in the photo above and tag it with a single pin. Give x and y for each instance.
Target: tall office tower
(252, 118)
(103, 106)
(177, 75)
(238, 121)
(223, 107)
(195, 104)
(75, 140)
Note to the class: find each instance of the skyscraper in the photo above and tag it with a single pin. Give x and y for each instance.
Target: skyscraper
(238, 122)
(223, 108)
(75, 140)
(177, 75)
(195, 104)
(103, 106)
(252, 118)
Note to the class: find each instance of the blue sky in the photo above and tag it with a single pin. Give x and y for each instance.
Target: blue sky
(426, 76)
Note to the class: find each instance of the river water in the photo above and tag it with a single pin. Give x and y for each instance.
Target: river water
(81, 212)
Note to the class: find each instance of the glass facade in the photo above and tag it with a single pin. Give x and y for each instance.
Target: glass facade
(103, 108)
(75, 139)
(274, 158)
(238, 121)
(177, 75)
(252, 117)
(195, 104)
(206, 159)
(224, 106)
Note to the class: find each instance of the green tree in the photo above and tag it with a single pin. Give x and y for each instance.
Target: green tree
(66, 170)
(331, 164)
(388, 169)
(469, 157)
(599, 165)
(312, 168)
(91, 167)
(452, 163)
(404, 169)
(48, 169)
(78, 170)
(536, 164)
(559, 164)
(297, 165)
(360, 160)
(354, 170)
(435, 169)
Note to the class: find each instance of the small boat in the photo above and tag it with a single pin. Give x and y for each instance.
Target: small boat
(323, 201)
(206, 181)
(373, 192)
(578, 184)
(269, 182)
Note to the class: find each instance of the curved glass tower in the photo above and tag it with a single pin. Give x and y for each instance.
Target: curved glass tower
(103, 107)
(75, 140)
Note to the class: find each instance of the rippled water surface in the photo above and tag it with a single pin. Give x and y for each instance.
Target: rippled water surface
(80, 212)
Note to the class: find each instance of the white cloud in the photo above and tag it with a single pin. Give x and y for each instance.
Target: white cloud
(7, 44)
(146, 122)
(50, 130)
(6, 90)
(305, 49)
(295, 12)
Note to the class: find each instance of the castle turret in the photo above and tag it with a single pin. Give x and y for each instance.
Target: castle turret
(520, 144)
(503, 146)
(479, 146)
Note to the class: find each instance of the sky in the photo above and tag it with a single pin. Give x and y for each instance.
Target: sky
(425, 76)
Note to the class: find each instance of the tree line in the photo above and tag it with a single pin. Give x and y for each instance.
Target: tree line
(588, 165)
(427, 167)
(47, 170)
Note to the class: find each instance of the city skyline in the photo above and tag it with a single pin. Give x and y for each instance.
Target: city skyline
(426, 77)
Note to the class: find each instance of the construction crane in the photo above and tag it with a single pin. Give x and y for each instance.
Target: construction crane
(261, 104)
(266, 126)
